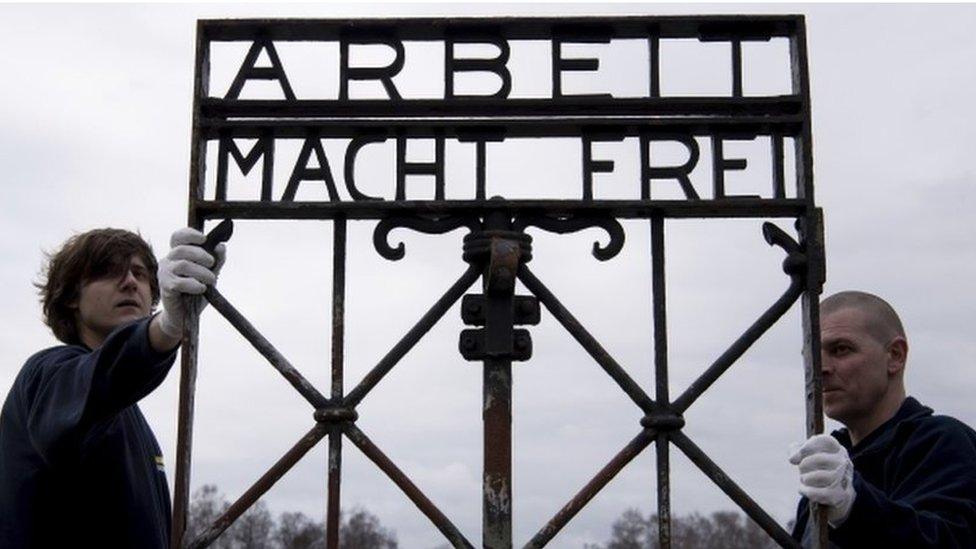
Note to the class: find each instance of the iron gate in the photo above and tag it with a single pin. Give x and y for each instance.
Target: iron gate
(496, 247)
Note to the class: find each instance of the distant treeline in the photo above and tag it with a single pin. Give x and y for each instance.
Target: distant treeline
(359, 529)
(257, 529)
(720, 530)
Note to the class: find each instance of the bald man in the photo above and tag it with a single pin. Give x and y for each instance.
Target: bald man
(896, 475)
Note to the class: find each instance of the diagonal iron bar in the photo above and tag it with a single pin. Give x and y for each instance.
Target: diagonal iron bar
(592, 346)
(264, 347)
(597, 483)
(731, 489)
(263, 484)
(426, 506)
(740, 346)
(413, 336)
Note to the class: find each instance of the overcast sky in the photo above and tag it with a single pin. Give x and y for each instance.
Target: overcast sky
(96, 112)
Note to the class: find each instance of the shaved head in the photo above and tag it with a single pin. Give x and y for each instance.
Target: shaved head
(882, 321)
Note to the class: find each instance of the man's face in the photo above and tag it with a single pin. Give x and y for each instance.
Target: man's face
(855, 366)
(106, 302)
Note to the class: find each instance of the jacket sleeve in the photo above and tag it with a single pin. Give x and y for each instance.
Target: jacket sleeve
(72, 389)
(799, 523)
(933, 495)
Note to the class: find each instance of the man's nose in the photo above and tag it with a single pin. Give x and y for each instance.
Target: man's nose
(826, 365)
(128, 279)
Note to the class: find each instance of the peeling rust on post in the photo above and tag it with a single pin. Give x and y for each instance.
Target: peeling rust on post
(501, 263)
(497, 482)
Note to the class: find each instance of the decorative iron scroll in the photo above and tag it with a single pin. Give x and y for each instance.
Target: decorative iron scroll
(483, 105)
(564, 225)
(429, 226)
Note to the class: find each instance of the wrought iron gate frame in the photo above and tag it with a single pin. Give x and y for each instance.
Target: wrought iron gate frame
(497, 248)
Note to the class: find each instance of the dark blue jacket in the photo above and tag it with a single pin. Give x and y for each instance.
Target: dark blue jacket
(79, 465)
(915, 480)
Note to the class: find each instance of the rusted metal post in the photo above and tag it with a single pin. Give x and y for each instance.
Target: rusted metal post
(662, 394)
(188, 351)
(338, 354)
(184, 433)
(499, 283)
(811, 234)
(810, 228)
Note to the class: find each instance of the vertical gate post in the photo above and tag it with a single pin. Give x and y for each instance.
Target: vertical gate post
(662, 394)
(334, 460)
(498, 249)
(810, 229)
(499, 284)
(188, 346)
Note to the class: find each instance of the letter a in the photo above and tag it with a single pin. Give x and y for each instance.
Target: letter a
(249, 72)
(302, 172)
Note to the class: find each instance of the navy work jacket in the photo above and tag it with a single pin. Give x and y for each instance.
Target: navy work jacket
(79, 465)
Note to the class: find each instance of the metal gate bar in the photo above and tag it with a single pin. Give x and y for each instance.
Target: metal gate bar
(662, 393)
(338, 363)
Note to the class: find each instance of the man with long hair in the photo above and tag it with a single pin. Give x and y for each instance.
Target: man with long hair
(79, 465)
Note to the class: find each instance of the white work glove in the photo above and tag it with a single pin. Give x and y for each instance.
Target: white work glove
(826, 476)
(185, 271)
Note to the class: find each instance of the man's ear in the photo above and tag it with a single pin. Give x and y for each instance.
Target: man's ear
(897, 354)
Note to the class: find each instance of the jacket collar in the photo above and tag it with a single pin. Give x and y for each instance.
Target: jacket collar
(910, 409)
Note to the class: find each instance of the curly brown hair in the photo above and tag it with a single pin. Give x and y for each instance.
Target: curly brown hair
(88, 256)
